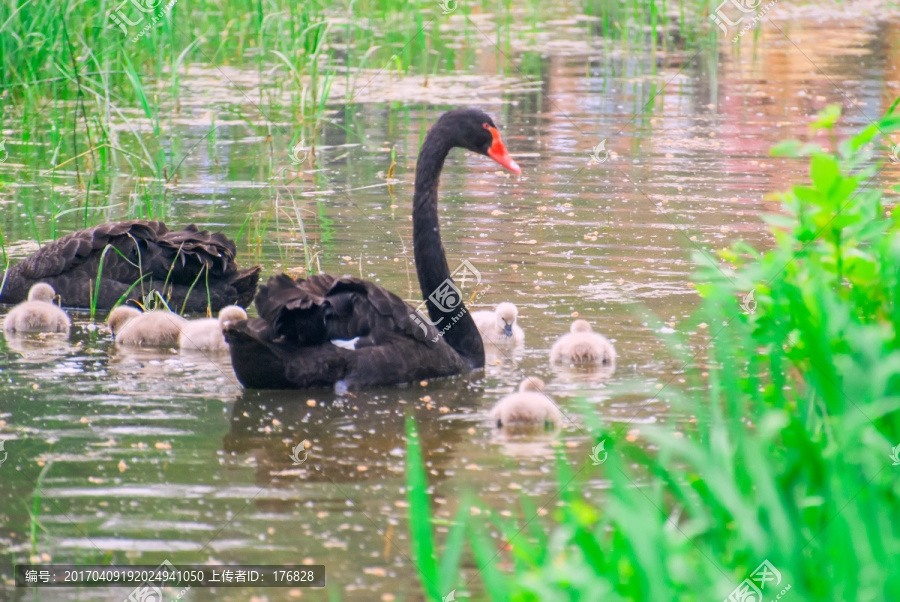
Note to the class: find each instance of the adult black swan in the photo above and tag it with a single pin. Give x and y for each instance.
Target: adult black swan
(191, 268)
(290, 344)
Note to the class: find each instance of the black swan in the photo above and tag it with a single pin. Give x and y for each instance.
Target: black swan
(138, 257)
(289, 345)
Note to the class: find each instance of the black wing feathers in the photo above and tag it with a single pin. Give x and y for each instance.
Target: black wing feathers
(322, 307)
(290, 343)
(143, 252)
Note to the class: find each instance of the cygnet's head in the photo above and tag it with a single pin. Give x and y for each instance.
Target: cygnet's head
(532, 383)
(507, 313)
(119, 316)
(231, 313)
(41, 292)
(581, 326)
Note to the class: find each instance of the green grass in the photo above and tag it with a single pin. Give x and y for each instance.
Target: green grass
(789, 461)
(84, 97)
(35, 525)
(95, 293)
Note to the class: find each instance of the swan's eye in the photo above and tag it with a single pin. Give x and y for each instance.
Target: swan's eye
(486, 126)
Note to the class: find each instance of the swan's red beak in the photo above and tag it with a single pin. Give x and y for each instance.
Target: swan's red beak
(498, 152)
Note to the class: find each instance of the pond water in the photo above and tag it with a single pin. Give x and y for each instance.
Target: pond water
(144, 456)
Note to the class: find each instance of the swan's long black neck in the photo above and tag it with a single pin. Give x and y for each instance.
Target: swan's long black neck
(431, 261)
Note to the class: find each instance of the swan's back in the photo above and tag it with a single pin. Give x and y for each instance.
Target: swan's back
(188, 263)
(289, 345)
(529, 406)
(583, 346)
(38, 313)
(324, 307)
(156, 328)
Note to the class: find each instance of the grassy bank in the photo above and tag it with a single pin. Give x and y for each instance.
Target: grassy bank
(105, 102)
(95, 87)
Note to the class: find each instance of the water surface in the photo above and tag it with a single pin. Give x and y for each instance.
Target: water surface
(137, 457)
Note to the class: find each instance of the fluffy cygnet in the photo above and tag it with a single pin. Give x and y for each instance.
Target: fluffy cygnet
(206, 334)
(38, 313)
(528, 406)
(499, 326)
(583, 346)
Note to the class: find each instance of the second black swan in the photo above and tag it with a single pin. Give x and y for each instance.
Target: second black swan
(290, 344)
(190, 268)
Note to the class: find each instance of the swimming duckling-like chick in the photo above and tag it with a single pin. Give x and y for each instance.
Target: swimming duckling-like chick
(119, 316)
(530, 406)
(155, 328)
(583, 346)
(38, 313)
(206, 334)
(499, 326)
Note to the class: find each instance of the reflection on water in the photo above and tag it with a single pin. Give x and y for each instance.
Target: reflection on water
(354, 439)
(584, 373)
(38, 348)
(152, 455)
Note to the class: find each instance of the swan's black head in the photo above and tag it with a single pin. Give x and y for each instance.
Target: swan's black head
(474, 130)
